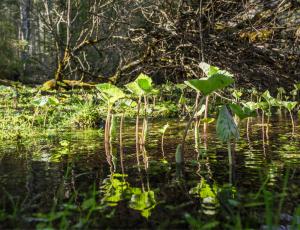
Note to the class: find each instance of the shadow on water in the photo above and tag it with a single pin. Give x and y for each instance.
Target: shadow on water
(67, 180)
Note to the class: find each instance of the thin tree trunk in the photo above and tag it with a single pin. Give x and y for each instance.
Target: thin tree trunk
(25, 29)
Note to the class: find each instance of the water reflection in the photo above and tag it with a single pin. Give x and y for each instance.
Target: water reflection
(80, 171)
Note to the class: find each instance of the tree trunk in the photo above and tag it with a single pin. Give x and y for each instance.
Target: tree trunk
(25, 30)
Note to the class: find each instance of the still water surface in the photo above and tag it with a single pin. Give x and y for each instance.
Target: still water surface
(69, 173)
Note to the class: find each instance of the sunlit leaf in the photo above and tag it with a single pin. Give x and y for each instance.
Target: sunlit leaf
(242, 112)
(110, 93)
(210, 84)
(289, 105)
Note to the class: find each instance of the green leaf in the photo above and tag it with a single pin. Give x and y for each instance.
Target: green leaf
(237, 94)
(208, 69)
(226, 127)
(242, 112)
(53, 101)
(181, 86)
(289, 105)
(208, 120)
(144, 82)
(143, 202)
(134, 88)
(110, 93)
(210, 84)
(251, 105)
(266, 95)
(141, 86)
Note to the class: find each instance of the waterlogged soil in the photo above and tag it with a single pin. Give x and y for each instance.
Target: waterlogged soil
(68, 180)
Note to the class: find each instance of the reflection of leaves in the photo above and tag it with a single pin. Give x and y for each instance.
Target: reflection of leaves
(203, 190)
(143, 201)
(114, 190)
(198, 224)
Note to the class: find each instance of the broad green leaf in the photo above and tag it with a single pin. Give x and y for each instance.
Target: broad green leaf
(251, 105)
(269, 99)
(126, 102)
(266, 95)
(210, 84)
(242, 112)
(262, 105)
(144, 82)
(134, 88)
(289, 105)
(226, 127)
(141, 86)
(110, 93)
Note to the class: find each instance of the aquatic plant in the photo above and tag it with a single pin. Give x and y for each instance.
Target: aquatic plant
(43, 103)
(290, 105)
(110, 94)
(163, 131)
(140, 88)
(216, 79)
(226, 129)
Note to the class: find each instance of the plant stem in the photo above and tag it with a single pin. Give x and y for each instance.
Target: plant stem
(137, 131)
(189, 123)
(121, 141)
(205, 116)
(229, 152)
(292, 119)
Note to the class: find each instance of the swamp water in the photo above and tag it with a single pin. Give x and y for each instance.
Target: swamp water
(66, 180)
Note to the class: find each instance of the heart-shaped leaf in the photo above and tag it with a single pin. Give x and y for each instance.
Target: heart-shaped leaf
(210, 84)
(110, 93)
(242, 112)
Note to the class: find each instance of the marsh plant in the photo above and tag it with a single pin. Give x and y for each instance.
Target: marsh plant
(216, 80)
(141, 89)
(110, 94)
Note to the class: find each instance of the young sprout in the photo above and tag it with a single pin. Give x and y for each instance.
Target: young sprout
(142, 87)
(226, 129)
(290, 105)
(163, 131)
(109, 94)
(44, 103)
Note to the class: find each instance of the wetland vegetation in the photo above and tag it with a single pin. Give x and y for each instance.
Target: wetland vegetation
(132, 129)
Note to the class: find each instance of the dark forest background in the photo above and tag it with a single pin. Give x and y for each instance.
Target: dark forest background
(114, 40)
